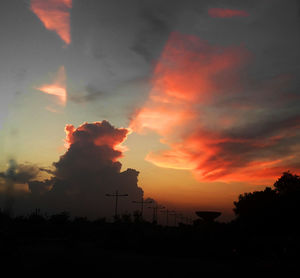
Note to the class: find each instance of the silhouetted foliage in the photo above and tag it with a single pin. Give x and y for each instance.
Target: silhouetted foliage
(61, 218)
(4, 218)
(36, 218)
(137, 217)
(271, 209)
(100, 221)
(255, 203)
(126, 218)
(288, 183)
(80, 220)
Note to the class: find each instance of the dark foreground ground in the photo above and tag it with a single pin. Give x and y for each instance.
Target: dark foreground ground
(143, 249)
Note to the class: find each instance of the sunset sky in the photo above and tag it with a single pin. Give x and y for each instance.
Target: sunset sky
(200, 97)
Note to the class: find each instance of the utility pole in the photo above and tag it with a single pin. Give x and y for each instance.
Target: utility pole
(37, 211)
(167, 214)
(142, 202)
(185, 220)
(155, 208)
(181, 217)
(190, 221)
(116, 195)
(175, 218)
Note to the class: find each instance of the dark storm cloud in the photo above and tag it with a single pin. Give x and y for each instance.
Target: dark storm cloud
(83, 175)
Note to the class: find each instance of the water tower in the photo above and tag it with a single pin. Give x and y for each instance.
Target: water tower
(208, 216)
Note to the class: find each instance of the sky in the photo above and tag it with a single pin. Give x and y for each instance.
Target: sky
(189, 103)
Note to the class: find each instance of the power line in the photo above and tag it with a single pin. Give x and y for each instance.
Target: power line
(155, 208)
(175, 218)
(116, 195)
(142, 202)
(167, 214)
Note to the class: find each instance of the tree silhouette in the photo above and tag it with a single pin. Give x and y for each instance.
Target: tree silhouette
(288, 184)
(258, 209)
(275, 209)
(254, 203)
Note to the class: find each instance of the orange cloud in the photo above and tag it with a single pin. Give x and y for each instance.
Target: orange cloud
(226, 13)
(185, 75)
(55, 16)
(58, 87)
(209, 125)
(98, 134)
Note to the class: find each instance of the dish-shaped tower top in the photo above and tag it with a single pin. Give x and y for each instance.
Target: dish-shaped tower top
(208, 216)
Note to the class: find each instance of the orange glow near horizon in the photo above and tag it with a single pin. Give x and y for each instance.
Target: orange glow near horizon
(189, 78)
(57, 88)
(55, 16)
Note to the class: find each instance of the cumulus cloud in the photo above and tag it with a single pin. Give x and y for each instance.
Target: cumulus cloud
(214, 119)
(87, 171)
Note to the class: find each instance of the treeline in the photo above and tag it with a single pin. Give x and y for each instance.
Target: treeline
(265, 232)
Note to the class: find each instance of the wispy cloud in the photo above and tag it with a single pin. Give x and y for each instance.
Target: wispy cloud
(91, 94)
(57, 88)
(227, 13)
(55, 15)
(215, 120)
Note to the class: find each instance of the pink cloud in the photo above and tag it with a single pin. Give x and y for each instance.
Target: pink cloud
(227, 13)
(55, 15)
(57, 88)
(196, 105)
